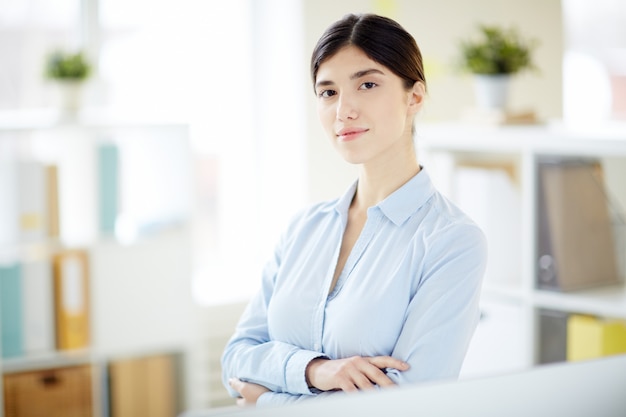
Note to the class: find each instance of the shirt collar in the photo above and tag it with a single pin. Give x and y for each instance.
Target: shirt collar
(400, 204)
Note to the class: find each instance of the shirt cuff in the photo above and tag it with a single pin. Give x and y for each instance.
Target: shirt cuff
(295, 377)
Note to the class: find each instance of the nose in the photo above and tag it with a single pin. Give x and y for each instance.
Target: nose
(346, 108)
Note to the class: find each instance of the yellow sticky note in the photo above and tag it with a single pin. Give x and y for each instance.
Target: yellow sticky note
(385, 8)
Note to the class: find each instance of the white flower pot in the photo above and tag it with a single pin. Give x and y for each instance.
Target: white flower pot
(491, 91)
(69, 98)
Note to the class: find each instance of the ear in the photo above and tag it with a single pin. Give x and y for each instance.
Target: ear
(417, 94)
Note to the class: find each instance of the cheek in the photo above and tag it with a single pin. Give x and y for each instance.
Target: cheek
(395, 116)
(326, 116)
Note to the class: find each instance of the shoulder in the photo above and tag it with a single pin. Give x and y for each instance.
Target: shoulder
(450, 228)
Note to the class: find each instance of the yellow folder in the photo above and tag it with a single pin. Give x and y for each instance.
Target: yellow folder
(590, 337)
(71, 299)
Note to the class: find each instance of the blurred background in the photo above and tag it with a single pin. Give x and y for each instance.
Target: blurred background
(196, 139)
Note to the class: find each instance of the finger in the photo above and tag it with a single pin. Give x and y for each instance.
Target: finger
(379, 377)
(236, 384)
(382, 362)
(361, 380)
(348, 387)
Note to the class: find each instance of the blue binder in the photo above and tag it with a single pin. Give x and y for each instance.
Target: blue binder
(108, 186)
(11, 311)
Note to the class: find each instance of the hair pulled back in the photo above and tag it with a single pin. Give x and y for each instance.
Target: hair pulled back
(382, 39)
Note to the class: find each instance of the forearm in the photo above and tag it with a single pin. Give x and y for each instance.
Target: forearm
(275, 365)
(440, 324)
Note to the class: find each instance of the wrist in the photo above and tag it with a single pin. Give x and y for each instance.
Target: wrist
(310, 370)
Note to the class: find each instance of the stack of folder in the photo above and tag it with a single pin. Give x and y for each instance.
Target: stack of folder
(44, 304)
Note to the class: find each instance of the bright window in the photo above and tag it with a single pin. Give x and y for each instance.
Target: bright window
(594, 65)
(235, 75)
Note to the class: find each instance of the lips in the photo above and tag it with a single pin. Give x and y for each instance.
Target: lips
(351, 133)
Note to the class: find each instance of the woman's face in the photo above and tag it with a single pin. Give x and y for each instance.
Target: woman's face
(364, 107)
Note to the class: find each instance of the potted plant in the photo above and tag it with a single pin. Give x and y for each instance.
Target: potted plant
(493, 57)
(69, 71)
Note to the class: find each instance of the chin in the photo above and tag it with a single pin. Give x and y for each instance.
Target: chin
(353, 160)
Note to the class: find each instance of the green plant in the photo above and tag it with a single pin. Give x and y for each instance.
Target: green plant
(67, 66)
(497, 51)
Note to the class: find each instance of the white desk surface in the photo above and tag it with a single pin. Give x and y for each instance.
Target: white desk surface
(577, 389)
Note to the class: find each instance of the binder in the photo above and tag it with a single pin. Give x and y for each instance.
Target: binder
(32, 200)
(30, 205)
(108, 186)
(552, 336)
(38, 318)
(52, 194)
(71, 299)
(11, 310)
(487, 193)
(576, 246)
(8, 208)
(591, 337)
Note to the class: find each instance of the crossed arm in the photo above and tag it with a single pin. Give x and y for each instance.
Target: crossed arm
(349, 375)
(440, 320)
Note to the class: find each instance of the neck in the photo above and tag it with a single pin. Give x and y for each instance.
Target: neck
(377, 180)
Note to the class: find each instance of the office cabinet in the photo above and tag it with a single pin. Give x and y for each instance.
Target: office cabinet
(494, 173)
(95, 215)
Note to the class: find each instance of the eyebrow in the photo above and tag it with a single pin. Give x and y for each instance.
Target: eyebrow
(354, 76)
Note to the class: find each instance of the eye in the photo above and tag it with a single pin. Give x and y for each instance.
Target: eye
(367, 86)
(327, 93)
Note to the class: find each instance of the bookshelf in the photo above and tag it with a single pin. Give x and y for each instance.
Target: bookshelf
(138, 274)
(515, 152)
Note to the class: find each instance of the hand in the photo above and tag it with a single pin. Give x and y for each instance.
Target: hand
(352, 374)
(249, 392)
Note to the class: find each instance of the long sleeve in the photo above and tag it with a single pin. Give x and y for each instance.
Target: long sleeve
(443, 314)
(409, 289)
(253, 356)
(273, 399)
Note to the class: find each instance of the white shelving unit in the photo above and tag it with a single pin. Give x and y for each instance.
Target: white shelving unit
(140, 291)
(442, 148)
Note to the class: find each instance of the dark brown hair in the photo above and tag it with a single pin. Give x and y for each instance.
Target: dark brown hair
(382, 39)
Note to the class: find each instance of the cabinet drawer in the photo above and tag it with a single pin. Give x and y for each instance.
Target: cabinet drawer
(61, 392)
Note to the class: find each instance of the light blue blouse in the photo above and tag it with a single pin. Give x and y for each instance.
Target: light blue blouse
(409, 289)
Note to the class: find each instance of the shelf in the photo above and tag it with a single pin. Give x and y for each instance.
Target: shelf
(39, 249)
(452, 150)
(63, 358)
(541, 139)
(48, 360)
(132, 274)
(89, 118)
(506, 291)
(608, 301)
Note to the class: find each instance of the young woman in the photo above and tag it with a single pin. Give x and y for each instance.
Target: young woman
(380, 286)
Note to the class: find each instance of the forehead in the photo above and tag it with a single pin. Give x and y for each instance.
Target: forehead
(346, 62)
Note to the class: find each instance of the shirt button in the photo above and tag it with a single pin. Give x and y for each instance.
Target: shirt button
(316, 347)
